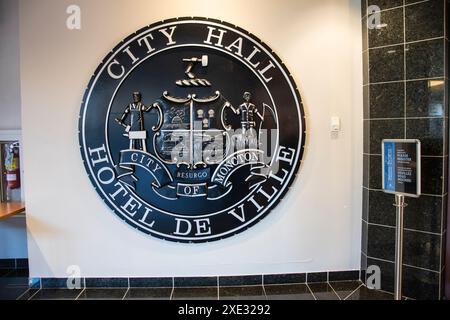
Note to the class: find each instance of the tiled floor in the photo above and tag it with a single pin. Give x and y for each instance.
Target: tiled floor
(14, 285)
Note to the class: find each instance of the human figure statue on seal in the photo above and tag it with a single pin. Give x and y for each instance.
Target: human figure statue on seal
(135, 130)
(248, 137)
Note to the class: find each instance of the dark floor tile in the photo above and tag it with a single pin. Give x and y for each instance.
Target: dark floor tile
(7, 283)
(425, 59)
(366, 294)
(323, 291)
(344, 288)
(390, 30)
(151, 282)
(343, 275)
(314, 277)
(424, 20)
(242, 293)
(288, 292)
(12, 292)
(195, 282)
(387, 100)
(102, 294)
(56, 294)
(425, 98)
(284, 278)
(149, 294)
(28, 294)
(386, 64)
(201, 293)
(240, 280)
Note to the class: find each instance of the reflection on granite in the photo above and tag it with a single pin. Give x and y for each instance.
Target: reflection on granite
(420, 284)
(430, 132)
(425, 98)
(422, 250)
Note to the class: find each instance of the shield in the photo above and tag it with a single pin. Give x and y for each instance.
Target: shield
(192, 133)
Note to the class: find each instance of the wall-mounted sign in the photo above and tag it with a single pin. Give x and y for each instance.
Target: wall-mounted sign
(191, 130)
(401, 167)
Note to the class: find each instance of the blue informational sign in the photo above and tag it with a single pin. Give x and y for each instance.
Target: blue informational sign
(401, 167)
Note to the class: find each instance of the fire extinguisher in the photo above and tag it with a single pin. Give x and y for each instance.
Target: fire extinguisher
(12, 168)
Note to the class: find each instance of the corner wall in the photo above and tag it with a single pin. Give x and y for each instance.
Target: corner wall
(406, 97)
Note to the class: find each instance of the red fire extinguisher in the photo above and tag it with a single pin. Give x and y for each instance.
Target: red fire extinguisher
(12, 168)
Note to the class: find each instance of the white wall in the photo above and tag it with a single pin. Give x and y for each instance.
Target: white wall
(9, 65)
(13, 230)
(315, 228)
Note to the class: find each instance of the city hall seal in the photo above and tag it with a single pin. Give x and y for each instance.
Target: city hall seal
(191, 130)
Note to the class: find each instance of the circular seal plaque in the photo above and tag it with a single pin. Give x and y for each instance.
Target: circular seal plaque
(191, 130)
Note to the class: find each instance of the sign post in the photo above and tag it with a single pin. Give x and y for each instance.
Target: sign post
(401, 177)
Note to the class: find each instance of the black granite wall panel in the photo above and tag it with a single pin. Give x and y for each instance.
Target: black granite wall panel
(405, 54)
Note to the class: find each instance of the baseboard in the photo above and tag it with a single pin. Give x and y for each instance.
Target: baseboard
(210, 281)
